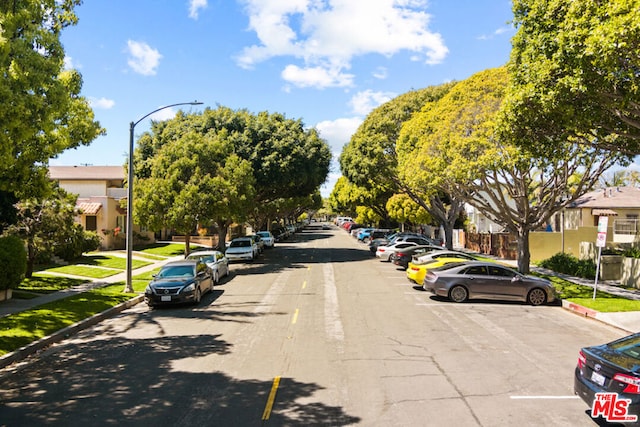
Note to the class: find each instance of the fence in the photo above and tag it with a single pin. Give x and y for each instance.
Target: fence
(503, 245)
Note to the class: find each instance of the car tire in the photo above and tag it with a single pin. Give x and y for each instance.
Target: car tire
(536, 296)
(458, 294)
(198, 296)
(216, 279)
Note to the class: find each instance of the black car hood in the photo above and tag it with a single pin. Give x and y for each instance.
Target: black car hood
(170, 283)
(615, 357)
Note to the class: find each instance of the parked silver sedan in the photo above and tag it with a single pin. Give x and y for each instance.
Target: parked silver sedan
(478, 279)
(215, 260)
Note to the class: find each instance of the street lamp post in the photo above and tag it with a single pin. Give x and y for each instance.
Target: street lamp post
(129, 286)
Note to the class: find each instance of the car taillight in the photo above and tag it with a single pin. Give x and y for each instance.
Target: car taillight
(582, 360)
(430, 277)
(414, 268)
(381, 249)
(400, 254)
(632, 383)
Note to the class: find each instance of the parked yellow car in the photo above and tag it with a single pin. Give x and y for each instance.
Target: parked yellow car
(417, 271)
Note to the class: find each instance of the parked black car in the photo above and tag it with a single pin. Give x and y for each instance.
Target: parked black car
(179, 282)
(612, 368)
(404, 256)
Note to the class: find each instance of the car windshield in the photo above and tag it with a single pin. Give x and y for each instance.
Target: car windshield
(176, 271)
(240, 243)
(263, 234)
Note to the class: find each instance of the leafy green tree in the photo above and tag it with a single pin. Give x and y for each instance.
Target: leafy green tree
(42, 113)
(47, 227)
(370, 159)
(256, 162)
(454, 146)
(574, 68)
(195, 180)
(404, 210)
(13, 262)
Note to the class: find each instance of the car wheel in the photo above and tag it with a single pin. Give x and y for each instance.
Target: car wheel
(216, 279)
(365, 240)
(227, 273)
(458, 294)
(536, 296)
(198, 296)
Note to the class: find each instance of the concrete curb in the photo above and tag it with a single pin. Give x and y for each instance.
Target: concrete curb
(57, 336)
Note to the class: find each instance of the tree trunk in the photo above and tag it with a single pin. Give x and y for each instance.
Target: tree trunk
(524, 255)
(187, 243)
(31, 258)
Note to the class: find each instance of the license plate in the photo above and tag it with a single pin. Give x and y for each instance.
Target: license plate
(168, 298)
(597, 378)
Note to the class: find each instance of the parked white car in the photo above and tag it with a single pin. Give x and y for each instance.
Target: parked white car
(267, 237)
(384, 252)
(242, 248)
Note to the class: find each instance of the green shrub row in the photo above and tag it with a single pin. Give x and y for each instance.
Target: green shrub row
(569, 264)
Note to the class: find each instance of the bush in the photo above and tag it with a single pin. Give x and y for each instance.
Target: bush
(568, 264)
(77, 242)
(13, 262)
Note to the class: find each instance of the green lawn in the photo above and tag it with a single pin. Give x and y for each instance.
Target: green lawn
(109, 261)
(84, 271)
(164, 249)
(20, 329)
(583, 295)
(42, 284)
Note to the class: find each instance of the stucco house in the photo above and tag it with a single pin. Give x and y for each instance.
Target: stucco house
(620, 204)
(100, 191)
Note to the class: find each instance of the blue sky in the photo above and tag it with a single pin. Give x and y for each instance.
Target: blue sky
(326, 62)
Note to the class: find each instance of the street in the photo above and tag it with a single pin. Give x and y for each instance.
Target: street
(315, 332)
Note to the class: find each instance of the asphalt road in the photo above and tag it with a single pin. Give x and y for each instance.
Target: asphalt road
(316, 332)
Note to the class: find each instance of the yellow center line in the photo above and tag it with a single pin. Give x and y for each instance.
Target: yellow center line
(304, 284)
(272, 397)
(295, 317)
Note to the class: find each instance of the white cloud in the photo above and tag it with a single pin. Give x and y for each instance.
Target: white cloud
(363, 102)
(380, 73)
(195, 6)
(143, 59)
(102, 103)
(498, 32)
(316, 77)
(164, 114)
(329, 34)
(68, 63)
(338, 132)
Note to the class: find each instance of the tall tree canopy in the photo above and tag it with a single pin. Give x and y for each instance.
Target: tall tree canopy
(574, 68)
(454, 147)
(370, 159)
(42, 112)
(247, 165)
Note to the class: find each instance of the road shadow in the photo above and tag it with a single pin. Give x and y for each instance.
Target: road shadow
(153, 382)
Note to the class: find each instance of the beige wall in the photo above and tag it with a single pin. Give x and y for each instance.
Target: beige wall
(85, 189)
(544, 245)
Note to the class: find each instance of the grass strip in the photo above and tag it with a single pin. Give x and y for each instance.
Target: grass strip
(42, 284)
(583, 295)
(20, 329)
(109, 261)
(84, 271)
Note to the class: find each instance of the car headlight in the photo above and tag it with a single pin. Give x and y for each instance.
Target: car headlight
(148, 289)
(189, 288)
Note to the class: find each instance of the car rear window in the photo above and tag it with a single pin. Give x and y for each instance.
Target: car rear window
(629, 346)
(240, 243)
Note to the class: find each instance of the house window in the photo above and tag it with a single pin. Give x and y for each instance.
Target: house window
(91, 223)
(121, 221)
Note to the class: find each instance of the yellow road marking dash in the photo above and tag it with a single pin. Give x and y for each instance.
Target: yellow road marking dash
(304, 284)
(272, 397)
(295, 317)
